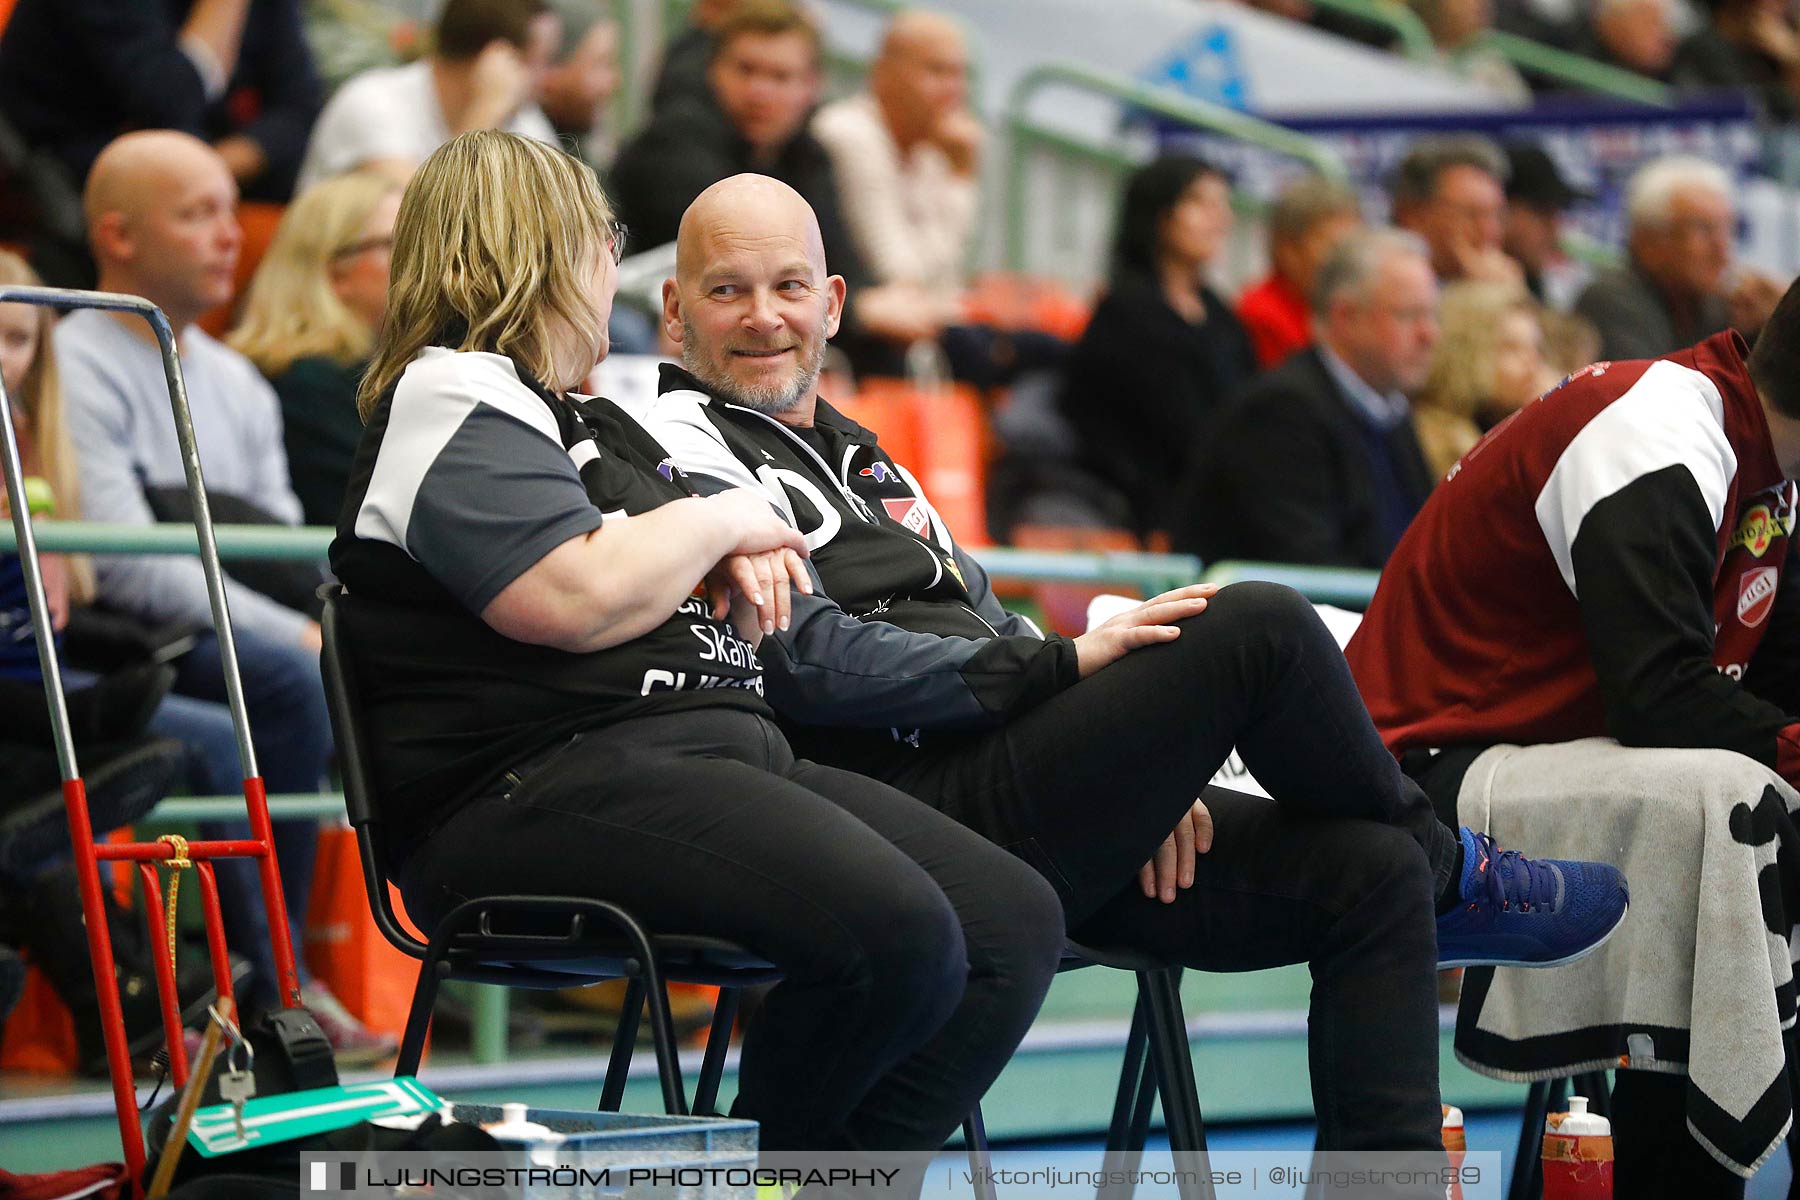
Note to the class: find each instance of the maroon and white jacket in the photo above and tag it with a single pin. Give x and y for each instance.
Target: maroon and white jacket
(1608, 560)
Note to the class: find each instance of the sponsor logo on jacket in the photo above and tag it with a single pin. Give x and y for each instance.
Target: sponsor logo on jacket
(1756, 595)
(908, 512)
(1760, 527)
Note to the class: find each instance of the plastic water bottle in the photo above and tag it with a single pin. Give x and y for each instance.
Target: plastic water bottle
(1456, 1146)
(1578, 1154)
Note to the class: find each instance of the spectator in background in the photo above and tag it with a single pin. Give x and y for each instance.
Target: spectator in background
(1678, 284)
(686, 59)
(763, 83)
(1318, 462)
(1633, 35)
(75, 74)
(159, 209)
(485, 71)
(1307, 221)
(1164, 350)
(1488, 364)
(1457, 28)
(1536, 198)
(310, 321)
(1451, 191)
(580, 87)
(905, 156)
(1751, 45)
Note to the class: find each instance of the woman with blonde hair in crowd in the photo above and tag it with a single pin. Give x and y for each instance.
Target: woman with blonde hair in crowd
(1489, 362)
(556, 640)
(310, 321)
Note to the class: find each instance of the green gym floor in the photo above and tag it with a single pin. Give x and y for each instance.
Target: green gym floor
(1248, 1034)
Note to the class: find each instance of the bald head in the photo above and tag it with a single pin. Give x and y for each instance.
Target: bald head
(751, 304)
(161, 211)
(917, 31)
(134, 169)
(741, 211)
(921, 76)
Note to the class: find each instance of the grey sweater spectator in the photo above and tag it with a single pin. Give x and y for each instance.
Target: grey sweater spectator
(74, 74)
(1678, 284)
(125, 437)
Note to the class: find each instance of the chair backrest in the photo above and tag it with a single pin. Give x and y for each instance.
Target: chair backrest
(344, 703)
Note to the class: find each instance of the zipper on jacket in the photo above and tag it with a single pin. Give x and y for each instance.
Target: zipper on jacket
(851, 498)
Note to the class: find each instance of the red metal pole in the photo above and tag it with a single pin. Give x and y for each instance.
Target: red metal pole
(287, 981)
(106, 984)
(170, 995)
(215, 929)
(159, 851)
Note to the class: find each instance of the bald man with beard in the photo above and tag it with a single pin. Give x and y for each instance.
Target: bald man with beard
(160, 208)
(1085, 756)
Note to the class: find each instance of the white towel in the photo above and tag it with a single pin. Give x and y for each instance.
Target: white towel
(1699, 980)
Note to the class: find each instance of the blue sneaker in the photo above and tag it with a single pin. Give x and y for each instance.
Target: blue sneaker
(1528, 912)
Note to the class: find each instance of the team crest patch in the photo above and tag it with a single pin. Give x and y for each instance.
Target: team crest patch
(880, 472)
(666, 468)
(908, 512)
(1756, 595)
(1759, 527)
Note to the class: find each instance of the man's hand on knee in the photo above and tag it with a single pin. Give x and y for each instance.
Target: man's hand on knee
(1146, 625)
(1173, 866)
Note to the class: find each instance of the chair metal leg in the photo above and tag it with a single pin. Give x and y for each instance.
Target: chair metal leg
(418, 1018)
(718, 1043)
(1175, 1076)
(981, 1163)
(1131, 1074)
(618, 1064)
(662, 1037)
(1169, 1051)
(1132, 1105)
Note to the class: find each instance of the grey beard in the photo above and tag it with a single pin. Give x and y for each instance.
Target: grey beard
(770, 400)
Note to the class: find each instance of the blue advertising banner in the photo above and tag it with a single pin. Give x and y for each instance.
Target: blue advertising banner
(1596, 145)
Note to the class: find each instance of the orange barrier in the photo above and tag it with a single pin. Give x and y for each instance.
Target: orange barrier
(345, 950)
(941, 436)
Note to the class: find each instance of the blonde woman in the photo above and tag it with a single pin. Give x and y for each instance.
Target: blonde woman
(1489, 362)
(537, 600)
(310, 321)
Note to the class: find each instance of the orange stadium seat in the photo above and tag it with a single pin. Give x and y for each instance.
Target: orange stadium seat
(941, 436)
(1064, 605)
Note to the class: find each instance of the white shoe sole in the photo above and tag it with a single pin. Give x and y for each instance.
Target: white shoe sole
(1539, 966)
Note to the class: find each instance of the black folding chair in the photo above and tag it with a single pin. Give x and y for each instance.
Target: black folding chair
(538, 942)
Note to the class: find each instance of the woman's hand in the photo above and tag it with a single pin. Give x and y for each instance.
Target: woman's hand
(753, 590)
(754, 523)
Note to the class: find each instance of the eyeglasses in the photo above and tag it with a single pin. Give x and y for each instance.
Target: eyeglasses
(355, 248)
(616, 243)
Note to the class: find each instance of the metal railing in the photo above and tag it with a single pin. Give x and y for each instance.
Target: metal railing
(1551, 62)
(1024, 136)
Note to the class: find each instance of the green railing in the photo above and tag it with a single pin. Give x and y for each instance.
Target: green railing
(1577, 71)
(1025, 135)
(1550, 62)
(1322, 585)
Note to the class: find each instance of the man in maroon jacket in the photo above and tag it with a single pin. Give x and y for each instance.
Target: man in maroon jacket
(1608, 561)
